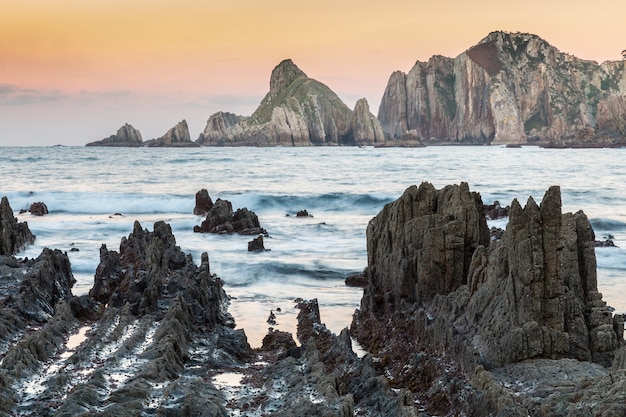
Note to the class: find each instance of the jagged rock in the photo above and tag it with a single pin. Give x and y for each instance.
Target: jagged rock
(297, 111)
(365, 126)
(125, 136)
(256, 244)
(203, 203)
(437, 285)
(178, 136)
(14, 236)
(221, 219)
(38, 209)
(510, 88)
(217, 126)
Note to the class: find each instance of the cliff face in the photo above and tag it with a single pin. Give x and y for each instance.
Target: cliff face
(297, 111)
(126, 135)
(508, 89)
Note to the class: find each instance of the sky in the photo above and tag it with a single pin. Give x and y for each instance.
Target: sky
(74, 71)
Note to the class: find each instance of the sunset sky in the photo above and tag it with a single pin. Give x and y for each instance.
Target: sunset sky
(74, 71)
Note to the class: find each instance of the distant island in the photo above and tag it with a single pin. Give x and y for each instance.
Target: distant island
(510, 89)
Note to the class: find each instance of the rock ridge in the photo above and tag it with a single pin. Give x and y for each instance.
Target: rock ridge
(437, 284)
(510, 88)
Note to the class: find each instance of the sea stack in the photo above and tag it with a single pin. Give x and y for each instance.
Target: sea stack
(126, 135)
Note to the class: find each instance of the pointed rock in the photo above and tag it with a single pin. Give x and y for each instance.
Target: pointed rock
(365, 126)
(178, 136)
(126, 135)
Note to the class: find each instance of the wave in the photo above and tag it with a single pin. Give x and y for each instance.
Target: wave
(328, 202)
(607, 225)
(136, 203)
(104, 203)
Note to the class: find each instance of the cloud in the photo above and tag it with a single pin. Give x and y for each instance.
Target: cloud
(17, 96)
(13, 95)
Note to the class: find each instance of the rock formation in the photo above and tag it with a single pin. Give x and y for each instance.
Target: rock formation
(203, 203)
(217, 126)
(14, 236)
(176, 137)
(38, 209)
(511, 88)
(221, 219)
(437, 285)
(297, 111)
(125, 136)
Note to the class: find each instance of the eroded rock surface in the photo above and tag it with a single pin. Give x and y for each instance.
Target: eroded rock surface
(437, 285)
(510, 88)
(223, 220)
(297, 111)
(126, 135)
(14, 235)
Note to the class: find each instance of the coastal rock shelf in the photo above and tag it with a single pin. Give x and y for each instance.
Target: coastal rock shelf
(453, 321)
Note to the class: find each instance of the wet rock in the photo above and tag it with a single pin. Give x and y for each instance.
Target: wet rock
(38, 209)
(203, 203)
(495, 211)
(356, 280)
(222, 220)
(256, 245)
(14, 236)
(303, 213)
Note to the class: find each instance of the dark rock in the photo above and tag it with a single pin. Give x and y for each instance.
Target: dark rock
(495, 211)
(303, 213)
(356, 280)
(203, 203)
(221, 219)
(438, 285)
(256, 245)
(38, 209)
(14, 236)
(271, 319)
(606, 243)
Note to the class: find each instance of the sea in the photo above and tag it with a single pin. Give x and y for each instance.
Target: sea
(95, 194)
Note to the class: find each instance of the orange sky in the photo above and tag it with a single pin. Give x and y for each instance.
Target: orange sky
(83, 68)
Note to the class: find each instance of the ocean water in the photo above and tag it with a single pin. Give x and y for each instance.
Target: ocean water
(95, 194)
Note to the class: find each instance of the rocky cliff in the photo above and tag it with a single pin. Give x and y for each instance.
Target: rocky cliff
(297, 111)
(125, 136)
(484, 310)
(176, 137)
(511, 88)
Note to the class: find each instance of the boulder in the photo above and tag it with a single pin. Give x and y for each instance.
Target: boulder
(203, 203)
(256, 244)
(222, 220)
(14, 236)
(38, 209)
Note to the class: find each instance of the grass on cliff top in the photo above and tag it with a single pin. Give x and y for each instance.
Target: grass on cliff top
(301, 90)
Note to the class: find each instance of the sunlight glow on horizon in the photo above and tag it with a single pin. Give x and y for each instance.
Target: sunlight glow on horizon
(194, 52)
